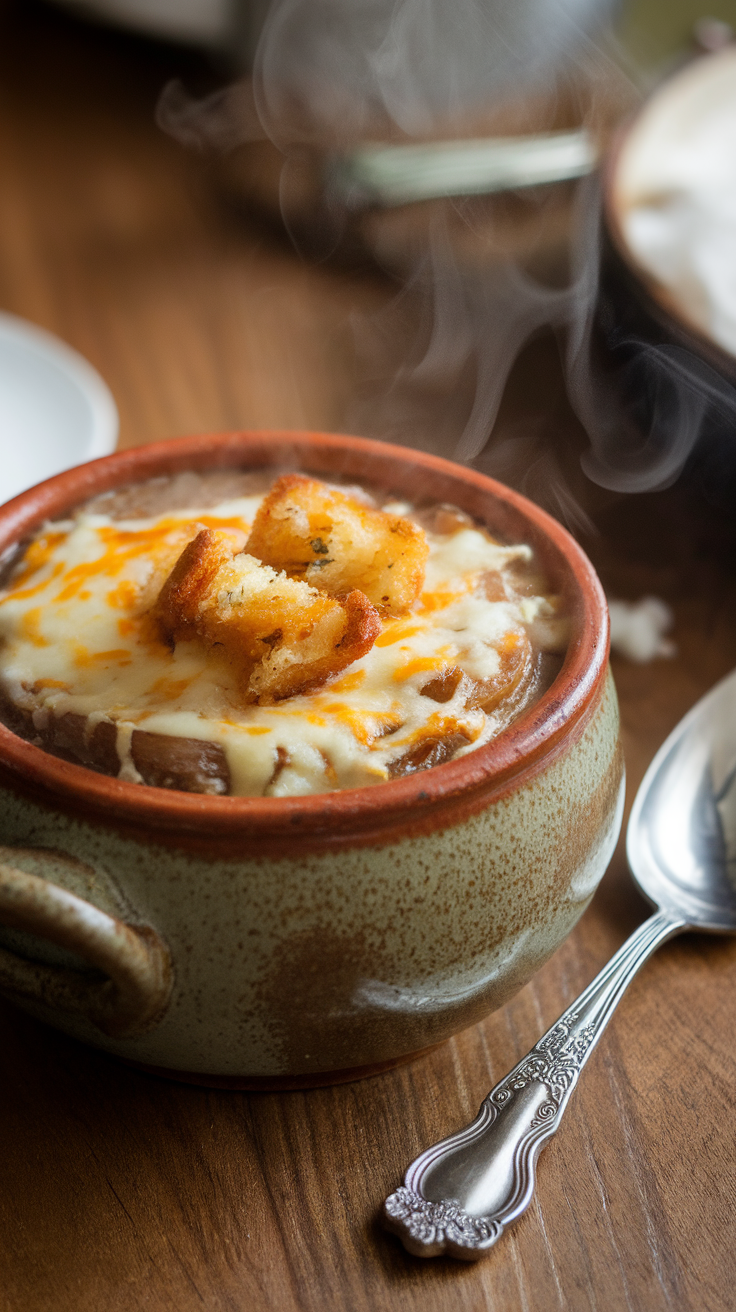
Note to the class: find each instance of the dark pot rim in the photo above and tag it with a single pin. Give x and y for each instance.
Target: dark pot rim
(669, 315)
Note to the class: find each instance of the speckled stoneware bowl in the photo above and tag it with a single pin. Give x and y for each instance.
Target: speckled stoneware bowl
(266, 942)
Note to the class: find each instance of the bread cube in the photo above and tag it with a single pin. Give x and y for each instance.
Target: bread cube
(283, 636)
(336, 543)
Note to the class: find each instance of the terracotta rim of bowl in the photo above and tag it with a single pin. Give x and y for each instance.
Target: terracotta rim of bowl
(660, 303)
(416, 803)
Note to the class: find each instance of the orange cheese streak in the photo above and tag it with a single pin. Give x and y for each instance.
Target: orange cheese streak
(395, 631)
(29, 625)
(35, 558)
(156, 543)
(169, 689)
(235, 521)
(440, 726)
(417, 665)
(511, 642)
(365, 726)
(83, 657)
(22, 594)
(76, 577)
(124, 596)
(121, 547)
(433, 601)
(348, 682)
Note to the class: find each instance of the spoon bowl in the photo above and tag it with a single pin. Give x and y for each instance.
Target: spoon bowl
(459, 1195)
(681, 839)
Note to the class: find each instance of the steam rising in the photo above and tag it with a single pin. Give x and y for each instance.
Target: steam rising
(329, 75)
(328, 71)
(678, 394)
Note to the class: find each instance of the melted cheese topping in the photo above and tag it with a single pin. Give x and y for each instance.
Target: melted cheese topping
(75, 637)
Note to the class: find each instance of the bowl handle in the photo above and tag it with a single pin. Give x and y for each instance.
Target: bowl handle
(130, 988)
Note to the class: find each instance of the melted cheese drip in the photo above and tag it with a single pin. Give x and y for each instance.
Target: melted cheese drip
(75, 637)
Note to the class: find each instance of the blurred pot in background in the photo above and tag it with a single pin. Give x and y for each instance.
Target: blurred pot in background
(666, 314)
(381, 124)
(498, 182)
(214, 24)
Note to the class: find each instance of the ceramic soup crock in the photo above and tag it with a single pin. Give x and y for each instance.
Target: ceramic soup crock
(266, 942)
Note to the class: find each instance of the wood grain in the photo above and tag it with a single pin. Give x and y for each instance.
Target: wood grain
(119, 1191)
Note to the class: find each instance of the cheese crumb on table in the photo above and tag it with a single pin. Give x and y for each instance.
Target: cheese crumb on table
(638, 629)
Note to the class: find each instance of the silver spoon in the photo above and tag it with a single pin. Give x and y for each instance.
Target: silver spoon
(458, 1197)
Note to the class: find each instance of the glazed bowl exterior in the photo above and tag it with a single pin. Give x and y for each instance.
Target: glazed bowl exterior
(267, 941)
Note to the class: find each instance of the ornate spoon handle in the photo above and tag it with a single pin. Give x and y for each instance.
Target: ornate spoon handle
(458, 1197)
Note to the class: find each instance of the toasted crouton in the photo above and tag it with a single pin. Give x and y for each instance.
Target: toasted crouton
(316, 533)
(185, 589)
(179, 570)
(282, 635)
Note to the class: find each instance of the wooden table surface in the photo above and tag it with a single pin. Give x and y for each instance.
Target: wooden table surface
(120, 1191)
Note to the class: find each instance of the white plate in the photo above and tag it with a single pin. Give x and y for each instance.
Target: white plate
(55, 410)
